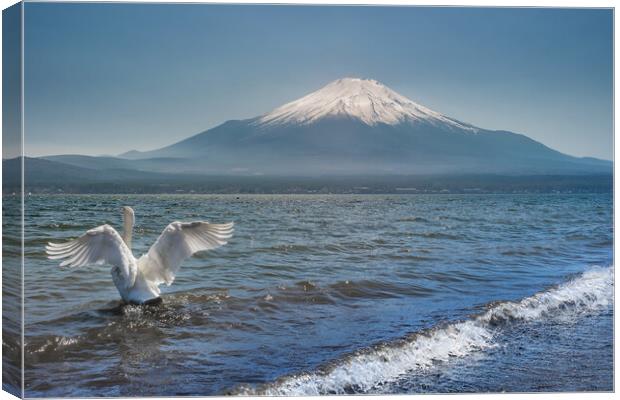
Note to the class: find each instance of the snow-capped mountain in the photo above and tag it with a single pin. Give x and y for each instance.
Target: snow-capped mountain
(353, 126)
(363, 99)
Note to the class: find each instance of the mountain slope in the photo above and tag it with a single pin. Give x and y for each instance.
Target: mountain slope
(359, 126)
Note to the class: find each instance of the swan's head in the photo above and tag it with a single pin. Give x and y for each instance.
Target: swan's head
(128, 213)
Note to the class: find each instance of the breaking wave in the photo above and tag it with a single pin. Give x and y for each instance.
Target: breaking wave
(374, 367)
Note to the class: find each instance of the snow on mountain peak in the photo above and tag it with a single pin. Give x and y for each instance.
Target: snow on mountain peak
(364, 99)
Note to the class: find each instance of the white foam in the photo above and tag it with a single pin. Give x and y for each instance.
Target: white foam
(365, 370)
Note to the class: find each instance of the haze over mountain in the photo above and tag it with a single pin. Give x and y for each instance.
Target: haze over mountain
(351, 127)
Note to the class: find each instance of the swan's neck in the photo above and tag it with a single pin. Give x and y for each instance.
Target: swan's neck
(128, 221)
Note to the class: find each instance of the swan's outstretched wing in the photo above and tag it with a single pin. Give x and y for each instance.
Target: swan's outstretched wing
(179, 241)
(100, 245)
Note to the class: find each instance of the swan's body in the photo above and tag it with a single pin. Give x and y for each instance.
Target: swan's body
(138, 279)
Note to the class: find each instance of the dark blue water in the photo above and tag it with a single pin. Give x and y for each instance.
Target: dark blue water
(332, 294)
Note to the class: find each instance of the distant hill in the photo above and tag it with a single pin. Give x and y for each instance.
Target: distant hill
(44, 176)
(40, 172)
(156, 164)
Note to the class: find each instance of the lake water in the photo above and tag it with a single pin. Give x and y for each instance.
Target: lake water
(330, 294)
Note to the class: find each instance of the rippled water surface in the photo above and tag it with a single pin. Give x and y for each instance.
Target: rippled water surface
(331, 294)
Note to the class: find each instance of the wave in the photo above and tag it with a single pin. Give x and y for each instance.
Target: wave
(373, 367)
(413, 219)
(436, 235)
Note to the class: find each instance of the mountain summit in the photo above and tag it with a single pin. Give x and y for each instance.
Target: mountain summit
(363, 99)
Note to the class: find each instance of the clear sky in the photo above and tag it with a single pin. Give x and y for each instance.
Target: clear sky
(107, 78)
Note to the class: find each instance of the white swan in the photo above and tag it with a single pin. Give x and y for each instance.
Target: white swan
(138, 280)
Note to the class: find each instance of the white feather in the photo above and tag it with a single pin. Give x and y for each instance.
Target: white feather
(179, 241)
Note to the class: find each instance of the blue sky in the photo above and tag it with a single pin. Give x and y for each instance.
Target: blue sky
(107, 78)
